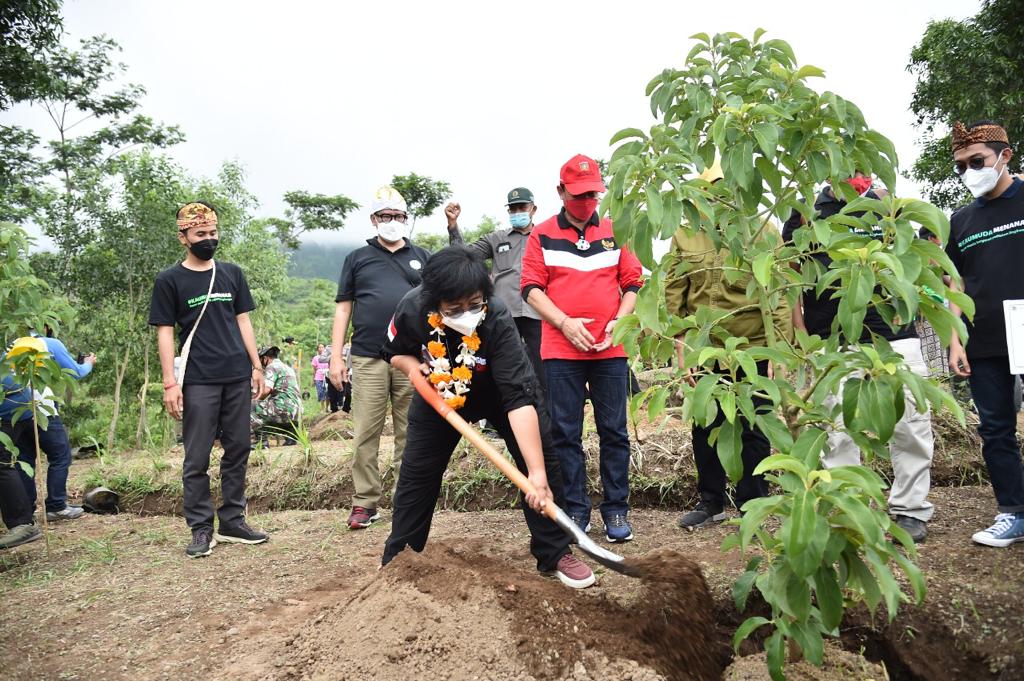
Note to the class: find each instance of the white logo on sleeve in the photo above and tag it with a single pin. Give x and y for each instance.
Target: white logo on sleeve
(415, 264)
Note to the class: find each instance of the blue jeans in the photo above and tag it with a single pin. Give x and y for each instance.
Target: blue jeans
(55, 444)
(607, 380)
(992, 387)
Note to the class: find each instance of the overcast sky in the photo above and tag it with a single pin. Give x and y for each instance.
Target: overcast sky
(336, 97)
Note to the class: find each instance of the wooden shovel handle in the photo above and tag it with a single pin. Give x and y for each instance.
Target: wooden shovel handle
(508, 469)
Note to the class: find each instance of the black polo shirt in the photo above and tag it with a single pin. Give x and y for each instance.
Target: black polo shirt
(820, 311)
(986, 243)
(375, 279)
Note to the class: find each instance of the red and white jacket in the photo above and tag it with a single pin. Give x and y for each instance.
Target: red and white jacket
(586, 283)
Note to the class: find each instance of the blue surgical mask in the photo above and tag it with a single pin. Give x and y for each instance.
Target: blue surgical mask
(519, 220)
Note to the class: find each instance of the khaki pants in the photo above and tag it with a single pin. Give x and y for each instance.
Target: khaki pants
(375, 382)
(911, 447)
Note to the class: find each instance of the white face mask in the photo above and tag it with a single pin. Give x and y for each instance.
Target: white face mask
(464, 322)
(982, 180)
(391, 232)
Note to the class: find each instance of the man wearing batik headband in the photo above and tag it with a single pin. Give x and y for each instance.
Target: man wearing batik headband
(221, 374)
(986, 243)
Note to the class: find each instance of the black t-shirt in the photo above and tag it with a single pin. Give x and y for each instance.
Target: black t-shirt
(217, 354)
(375, 279)
(503, 376)
(986, 243)
(820, 312)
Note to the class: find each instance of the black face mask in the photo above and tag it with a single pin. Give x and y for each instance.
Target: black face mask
(204, 249)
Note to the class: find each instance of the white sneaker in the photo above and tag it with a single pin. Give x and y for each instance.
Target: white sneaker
(1008, 529)
(69, 512)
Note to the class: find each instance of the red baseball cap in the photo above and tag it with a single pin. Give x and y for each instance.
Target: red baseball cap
(581, 174)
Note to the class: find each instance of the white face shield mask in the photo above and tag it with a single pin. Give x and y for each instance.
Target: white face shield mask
(464, 322)
(983, 180)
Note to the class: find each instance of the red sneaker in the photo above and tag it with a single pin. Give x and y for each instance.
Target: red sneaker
(361, 518)
(572, 572)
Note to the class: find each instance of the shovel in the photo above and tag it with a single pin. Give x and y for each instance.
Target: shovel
(610, 560)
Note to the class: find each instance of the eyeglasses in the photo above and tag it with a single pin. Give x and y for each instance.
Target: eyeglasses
(456, 311)
(974, 163)
(388, 217)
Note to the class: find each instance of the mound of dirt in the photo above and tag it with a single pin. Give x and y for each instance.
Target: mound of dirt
(838, 664)
(462, 613)
(336, 426)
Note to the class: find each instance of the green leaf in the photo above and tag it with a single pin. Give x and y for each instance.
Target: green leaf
(829, 596)
(808, 71)
(654, 206)
(775, 649)
(26, 468)
(625, 134)
(748, 627)
(809, 445)
(783, 462)
(808, 637)
(729, 446)
(767, 136)
(744, 583)
(762, 268)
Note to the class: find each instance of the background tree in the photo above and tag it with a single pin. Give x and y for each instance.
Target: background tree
(307, 212)
(422, 194)
(966, 70)
(92, 125)
(747, 102)
(28, 30)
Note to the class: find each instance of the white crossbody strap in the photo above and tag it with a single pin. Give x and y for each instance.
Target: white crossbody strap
(188, 341)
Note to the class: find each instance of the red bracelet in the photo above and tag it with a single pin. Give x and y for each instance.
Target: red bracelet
(168, 386)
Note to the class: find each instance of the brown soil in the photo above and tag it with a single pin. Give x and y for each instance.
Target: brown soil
(838, 664)
(116, 599)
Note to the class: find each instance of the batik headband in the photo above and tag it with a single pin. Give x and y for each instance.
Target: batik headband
(196, 215)
(987, 132)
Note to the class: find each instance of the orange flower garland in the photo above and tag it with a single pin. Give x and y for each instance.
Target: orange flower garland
(452, 384)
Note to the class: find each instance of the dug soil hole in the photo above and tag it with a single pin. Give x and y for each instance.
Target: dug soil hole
(462, 612)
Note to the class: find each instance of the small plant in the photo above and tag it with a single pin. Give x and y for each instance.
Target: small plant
(747, 103)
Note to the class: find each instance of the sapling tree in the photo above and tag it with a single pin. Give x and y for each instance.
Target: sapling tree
(823, 539)
(27, 304)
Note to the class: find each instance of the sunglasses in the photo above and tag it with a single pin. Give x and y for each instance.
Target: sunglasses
(974, 163)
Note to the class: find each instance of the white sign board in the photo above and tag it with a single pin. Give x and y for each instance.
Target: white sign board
(1014, 312)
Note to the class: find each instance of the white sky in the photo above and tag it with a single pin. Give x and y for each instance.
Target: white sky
(336, 97)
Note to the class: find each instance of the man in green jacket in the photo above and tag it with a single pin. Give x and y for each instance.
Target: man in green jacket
(705, 284)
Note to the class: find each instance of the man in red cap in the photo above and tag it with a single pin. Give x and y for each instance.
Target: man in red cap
(581, 281)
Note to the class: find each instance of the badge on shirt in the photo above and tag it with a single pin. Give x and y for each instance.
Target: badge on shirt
(583, 244)
(504, 246)
(415, 264)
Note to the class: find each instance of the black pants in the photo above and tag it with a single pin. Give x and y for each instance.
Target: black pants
(346, 397)
(15, 506)
(992, 386)
(711, 477)
(430, 441)
(529, 331)
(209, 408)
(334, 395)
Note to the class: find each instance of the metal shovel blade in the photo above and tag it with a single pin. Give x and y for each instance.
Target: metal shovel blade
(612, 561)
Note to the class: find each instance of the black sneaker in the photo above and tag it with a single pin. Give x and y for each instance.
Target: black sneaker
(917, 529)
(701, 516)
(239, 534)
(202, 543)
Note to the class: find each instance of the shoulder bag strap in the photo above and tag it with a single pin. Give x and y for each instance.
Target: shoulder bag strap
(188, 341)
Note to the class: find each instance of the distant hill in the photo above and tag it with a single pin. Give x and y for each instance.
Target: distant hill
(319, 261)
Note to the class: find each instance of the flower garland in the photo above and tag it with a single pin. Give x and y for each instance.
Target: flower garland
(452, 384)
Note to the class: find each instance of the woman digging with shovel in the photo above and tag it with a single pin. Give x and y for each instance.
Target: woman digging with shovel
(466, 344)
